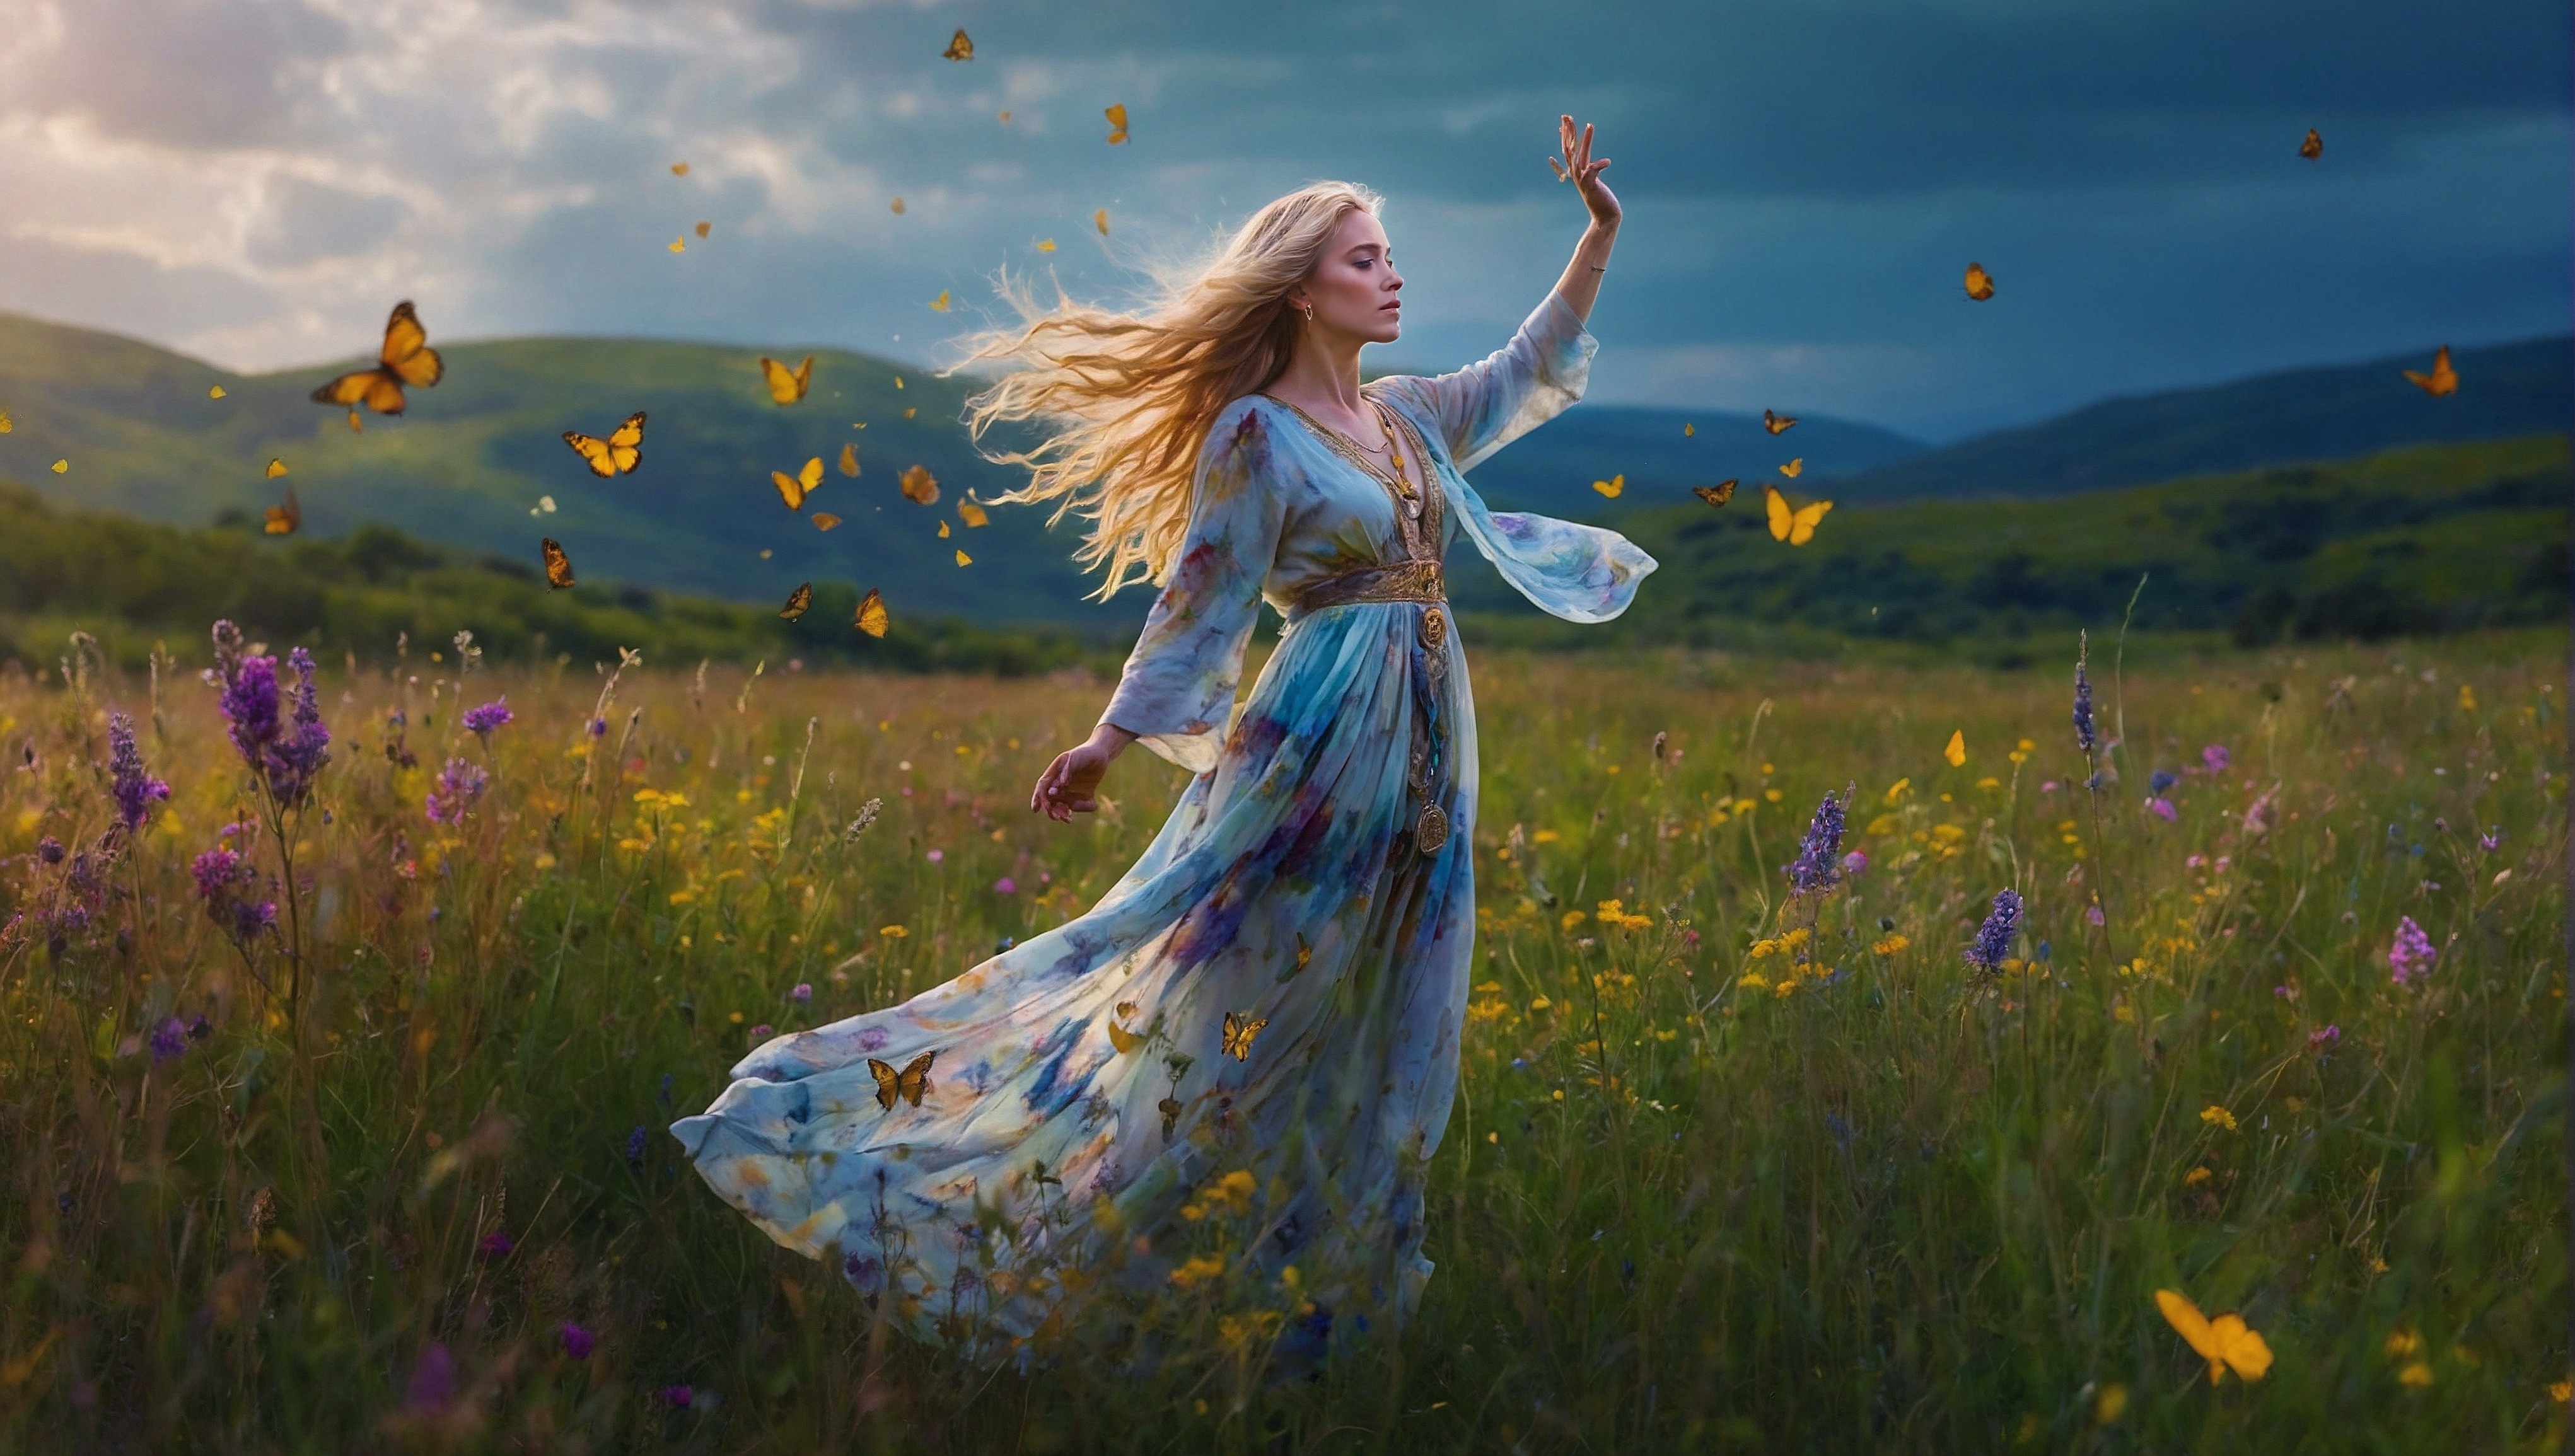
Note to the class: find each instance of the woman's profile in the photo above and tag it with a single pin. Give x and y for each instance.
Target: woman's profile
(1276, 989)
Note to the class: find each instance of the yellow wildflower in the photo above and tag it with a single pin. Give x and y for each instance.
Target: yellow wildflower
(2217, 1116)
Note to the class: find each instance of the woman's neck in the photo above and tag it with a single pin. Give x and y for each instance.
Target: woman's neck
(1322, 376)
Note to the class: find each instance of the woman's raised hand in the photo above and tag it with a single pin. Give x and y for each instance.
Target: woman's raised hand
(1585, 173)
(1071, 785)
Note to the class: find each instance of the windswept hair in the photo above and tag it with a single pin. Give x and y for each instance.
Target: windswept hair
(1131, 396)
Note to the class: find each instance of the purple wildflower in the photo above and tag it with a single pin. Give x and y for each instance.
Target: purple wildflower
(599, 727)
(1852, 863)
(1816, 870)
(762, 1031)
(2491, 842)
(169, 1040)
(803, 994)
(2215, 758)
(2162, 809)
(2159, 780)
(459, 785)
(49, 850)
(1993, 941)
(2410, 956)
(134, 790)
(433, 1381)
(2324, 1038)
(634, 1143)
(2084, 735)
(865, 1275)
(228, 885)
(577, 1342)
(1006, 885)
(497, 1244)
(482, 721)
(285, 756)
(678, 1395)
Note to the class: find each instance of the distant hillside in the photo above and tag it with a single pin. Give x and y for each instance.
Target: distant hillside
(2297, 416)
(1552, 470)
(2423, 540)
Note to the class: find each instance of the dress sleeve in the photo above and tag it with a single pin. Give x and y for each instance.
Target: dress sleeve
(1499, 398)
(1176, 693)
(1576, 572)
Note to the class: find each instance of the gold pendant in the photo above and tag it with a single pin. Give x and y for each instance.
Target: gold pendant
(1435, 628)
(1431, 830)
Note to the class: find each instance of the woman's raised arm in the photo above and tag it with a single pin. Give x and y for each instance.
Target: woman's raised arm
(1581, 281)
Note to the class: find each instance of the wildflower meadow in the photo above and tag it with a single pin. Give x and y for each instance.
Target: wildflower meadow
(1860, 1059)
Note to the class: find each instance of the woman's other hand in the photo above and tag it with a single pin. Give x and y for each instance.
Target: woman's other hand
(1071, 785)
(1585, 173)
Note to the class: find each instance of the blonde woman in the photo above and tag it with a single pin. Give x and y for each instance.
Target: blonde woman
(1258, 1025)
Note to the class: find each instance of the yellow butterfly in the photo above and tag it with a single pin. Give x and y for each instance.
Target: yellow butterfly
(1239, 1031)
(1716, 495)
(964, 559)
(939, 305)
(961, 47)
(910, 410)
(216, 393)
(825, 521)
(679, 169)
(788, 385)
(405, 359)
(1689, 430)
(1046, 245)
(2443, 380)
(6, 424)
(942, 530)
(920, 487)
(557, 566)
(1116, 125)
(1956, 751)
(897, 207)
(872, 617)
(1118, 1037)
(286, 517)
(2225, 1341)
(1980, 284)
(1777, 423)
(620, 451)
(1099, 220)
(797, 601)
(2314, 146)
(274, 469)
(794, 489)
(1610, 487)
(705, 228)
(62, 467)
(1795, 527)
(849, 460)
(973, 514)
(679, 244)
(1794, 467)
(911, 1084)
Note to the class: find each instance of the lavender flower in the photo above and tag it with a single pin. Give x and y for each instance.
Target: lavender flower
(169, 1040)
(482, 721)
(577, 1342)
(134, 790)
(1852, 863)
(762, 1031)
(459, 785)
(2084, 737)
(2491, 842)
(497, 1244)
(803, 994)
(284, 757)
(2324, 1038)
(678, 1395)
(1993, 941)
(228, 885)
(1816, 870)
(49, 850)
(2215, 758)
(2162, 809)
(2410, 956)
(634, 1143)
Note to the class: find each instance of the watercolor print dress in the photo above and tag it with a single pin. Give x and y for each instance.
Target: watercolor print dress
(1277, 985)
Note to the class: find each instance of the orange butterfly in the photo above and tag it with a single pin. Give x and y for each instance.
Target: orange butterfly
(849, 460)
(274, 469)
(1099, 220)
(920, 487)
(971, 514)
(1118, 125)
(620, 451)
(405, 359)
(705, 228)
(2223, 1341)
(1794, 526)
(872, 617)
(286, 517)
(1980, 284)
(788, 385)
(797, 601)
(961, 47)
(2314, 146)
(557, 566)
(794, 489)
(1794, 467)
(2443, 380)
(825, 521)
(1716, 495)
(1777, 423)
(1239, 1029)
(911, 1084)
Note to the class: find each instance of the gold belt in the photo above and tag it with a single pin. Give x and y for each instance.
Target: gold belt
(1402, 582)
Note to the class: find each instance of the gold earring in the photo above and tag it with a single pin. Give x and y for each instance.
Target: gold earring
(1308, 307)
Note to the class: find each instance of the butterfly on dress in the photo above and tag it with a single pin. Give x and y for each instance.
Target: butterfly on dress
(794, 489)
(788, 385)
(1118, 1037)
(1980, 284)
(286, 517)
(557, 566)
(405, 359)
(2222, 1342)
(1716, 494)
(911, 1084)
(797, 602)
(1239, 1031)
(872, 617)
(1793, 525)
(2443, 380)
(618, 455)
(1778, 424)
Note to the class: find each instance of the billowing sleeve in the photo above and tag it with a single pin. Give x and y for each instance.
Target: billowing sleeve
(1176, 693)
(1499, 398)
(1576, 572)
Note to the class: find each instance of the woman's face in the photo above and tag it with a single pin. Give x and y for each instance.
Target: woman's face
(1354, 289)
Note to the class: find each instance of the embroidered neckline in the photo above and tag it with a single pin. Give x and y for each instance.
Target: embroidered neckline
(1417, 516)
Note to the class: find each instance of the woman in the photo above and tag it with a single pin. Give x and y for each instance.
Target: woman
(1276, 989)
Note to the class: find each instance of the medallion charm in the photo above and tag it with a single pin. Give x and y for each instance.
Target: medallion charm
(1431, 830)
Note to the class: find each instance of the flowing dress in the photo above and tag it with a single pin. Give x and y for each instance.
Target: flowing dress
(1277, 985)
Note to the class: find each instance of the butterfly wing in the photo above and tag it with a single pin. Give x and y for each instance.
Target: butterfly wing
(1124, 1039)
(406, 354)
(797, 602)
(2241, 1346)
(849, 460)
(2192, 1325)
(1777, 423)
(973, 514)
(961, 47)
(1776, 506)
(812, 475)
(873, 617)
(2314, 146)
(1980, 284)
(789, 489)
(1716, 494)
(274, 469)
(1610, 487)
(787, 386)
(286, 517)
(557, 566)
(1117, 115)
(887, 1083)
(601, 458)
(914, 1084)
(920, 487)
(1099, 220)
(825, 519)
(1794, 467)
(1802, 526)
(626, 444)
(349, 389)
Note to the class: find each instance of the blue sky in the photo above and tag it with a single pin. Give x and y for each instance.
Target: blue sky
(255, 181)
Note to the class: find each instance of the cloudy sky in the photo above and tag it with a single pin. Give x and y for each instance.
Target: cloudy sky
(255, 181)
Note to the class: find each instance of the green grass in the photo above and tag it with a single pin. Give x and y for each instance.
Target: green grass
(1894, 1206)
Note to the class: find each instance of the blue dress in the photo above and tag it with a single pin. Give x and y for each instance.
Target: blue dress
(1276, 988)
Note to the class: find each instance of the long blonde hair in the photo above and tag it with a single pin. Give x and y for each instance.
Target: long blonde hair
(1133, 394)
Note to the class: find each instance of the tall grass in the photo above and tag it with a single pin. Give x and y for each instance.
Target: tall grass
(1712, 1183)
